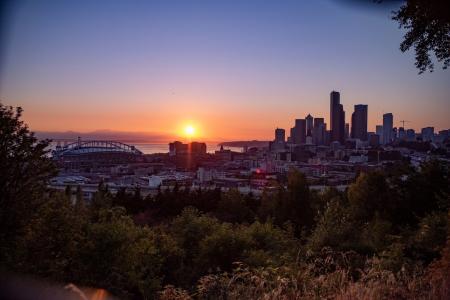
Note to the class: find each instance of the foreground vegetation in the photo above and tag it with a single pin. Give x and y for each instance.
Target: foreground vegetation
(387, 236)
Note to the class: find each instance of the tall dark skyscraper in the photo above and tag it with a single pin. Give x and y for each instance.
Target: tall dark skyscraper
(309, 125)
(298, 133)
(337, 118)
(359, 122)
(388, 121)
(319, 131)
(379, 131)
(292, 135)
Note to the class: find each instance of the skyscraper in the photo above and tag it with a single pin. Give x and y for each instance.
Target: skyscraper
(319, 130)
(298, 133)
(359, 122)
(318, 122)
(337, 118)
(292, 135)
(309, 125)
(280, 135)
(427, 133)
(388, 121)
(379, 131)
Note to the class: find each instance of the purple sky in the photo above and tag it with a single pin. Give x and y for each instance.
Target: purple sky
(233, 69)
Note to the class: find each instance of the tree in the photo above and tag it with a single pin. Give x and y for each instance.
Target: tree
(188, 230)
(334, 228)
(120, 256)
(370, 194)
(268, 245)
(221, 248)
(25, 168)
(102, 199)
(424, 191)
(51, 244)
(296, 204)
(430, 237)
(428, 25)
(233, 208)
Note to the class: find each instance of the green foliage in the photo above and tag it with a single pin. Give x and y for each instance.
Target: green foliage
(382, 212)
(53, 239)
(319, 200)
(102, 200)
(334, 228)
(120, 256)
(370, 194)
(235, 207)
(190, 228)
(293, 204)
(296, 205)
(428, 189)
(376, 234)
(430, 237)
(220, 249)
(211, 246)
(269, 245)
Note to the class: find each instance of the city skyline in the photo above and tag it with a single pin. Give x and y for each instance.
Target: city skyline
(141, 136)
(169, 66)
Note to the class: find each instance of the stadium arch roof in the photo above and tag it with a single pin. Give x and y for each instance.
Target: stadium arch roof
(94, 146)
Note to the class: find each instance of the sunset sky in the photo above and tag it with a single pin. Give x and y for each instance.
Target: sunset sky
(231, 69)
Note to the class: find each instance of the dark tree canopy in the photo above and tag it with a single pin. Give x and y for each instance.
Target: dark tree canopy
(24, 170)
(428, 31)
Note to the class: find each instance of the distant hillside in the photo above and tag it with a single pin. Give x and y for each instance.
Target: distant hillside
(254, 143)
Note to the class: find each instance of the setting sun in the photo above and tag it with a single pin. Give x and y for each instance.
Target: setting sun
(189, 130)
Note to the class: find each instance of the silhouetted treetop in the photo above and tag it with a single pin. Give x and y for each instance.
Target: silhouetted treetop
(24, 170)
(428, 31)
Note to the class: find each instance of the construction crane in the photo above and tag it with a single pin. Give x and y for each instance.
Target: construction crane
(403, 122)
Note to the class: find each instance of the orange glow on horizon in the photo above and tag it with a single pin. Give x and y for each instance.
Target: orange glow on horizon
(211, 121)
